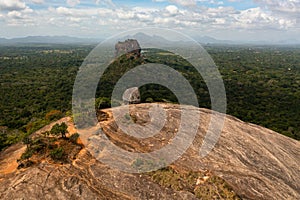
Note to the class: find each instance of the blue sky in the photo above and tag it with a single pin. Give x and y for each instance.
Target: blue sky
(247, 20)
(148, 3)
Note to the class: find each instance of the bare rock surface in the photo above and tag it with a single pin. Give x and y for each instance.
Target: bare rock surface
(256, 162)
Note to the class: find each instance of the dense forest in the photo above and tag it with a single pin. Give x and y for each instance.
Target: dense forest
(262, 84)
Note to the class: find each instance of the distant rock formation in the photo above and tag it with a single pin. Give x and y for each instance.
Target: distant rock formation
(129, 46)
(132, 96)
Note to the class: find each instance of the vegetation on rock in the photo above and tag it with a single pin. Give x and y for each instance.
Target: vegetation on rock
(58, 129)
(49, 146)
(204, 185)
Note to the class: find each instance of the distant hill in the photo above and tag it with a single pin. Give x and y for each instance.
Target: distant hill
(145, 39)
(151, 39)
(141, 37)
(154, 39)
(48, 40)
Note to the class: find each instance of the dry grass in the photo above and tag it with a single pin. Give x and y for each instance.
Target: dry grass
(204, 185)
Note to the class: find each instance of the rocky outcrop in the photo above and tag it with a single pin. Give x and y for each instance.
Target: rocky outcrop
(255, 162)
(129, 46)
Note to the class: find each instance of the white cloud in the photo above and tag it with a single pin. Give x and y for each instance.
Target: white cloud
(220, 21)
(15, 14)
(170, 17)
(74, 19)
(73, 3)
(11, 5)
(64, 11)
(62, 17)
(180, 2)
(20, 18)
(105, 2)
(38, 1)
(257, 18)
(77, 12)
(104, 12)
(214, 2)
(173, 10)
(161, 20)
(191, 3)
(282, 6)
(185, 2)
(125, 15)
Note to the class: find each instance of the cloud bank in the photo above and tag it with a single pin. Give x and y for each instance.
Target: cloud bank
(93, 18)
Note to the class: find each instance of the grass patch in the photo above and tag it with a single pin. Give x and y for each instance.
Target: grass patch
(204, 186)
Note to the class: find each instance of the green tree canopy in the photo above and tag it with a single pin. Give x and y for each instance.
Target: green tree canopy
(60, 129)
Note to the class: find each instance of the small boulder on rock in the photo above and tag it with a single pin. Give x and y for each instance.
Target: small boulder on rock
(132, 96)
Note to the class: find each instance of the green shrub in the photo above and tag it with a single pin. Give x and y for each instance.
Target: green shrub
(73, 138)
(60, 129)
(27, 154)
(57, 154)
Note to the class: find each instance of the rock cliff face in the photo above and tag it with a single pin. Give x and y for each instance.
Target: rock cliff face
(129, 46)
(256, 163)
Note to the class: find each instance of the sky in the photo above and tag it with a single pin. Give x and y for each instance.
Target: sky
(238, 20)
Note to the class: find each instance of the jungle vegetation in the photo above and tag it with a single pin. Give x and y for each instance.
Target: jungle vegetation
(262, 84)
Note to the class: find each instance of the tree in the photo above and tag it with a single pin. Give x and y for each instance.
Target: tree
(55, 129)
(60, 129)
(63, 129)
(27, 141)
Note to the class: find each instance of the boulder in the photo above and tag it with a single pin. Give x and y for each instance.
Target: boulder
(132, 96)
